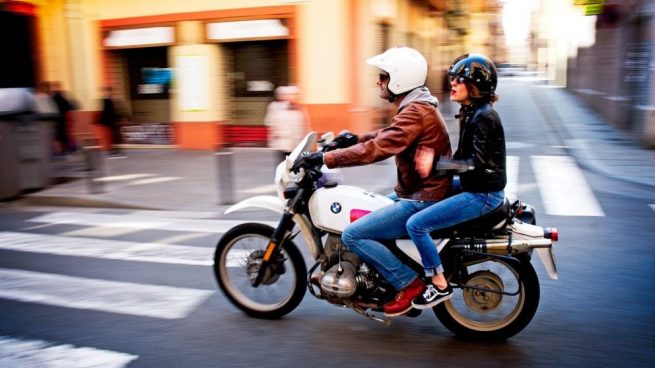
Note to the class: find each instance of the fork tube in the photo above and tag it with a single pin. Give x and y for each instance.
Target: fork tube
(273, 248)
(280, 234)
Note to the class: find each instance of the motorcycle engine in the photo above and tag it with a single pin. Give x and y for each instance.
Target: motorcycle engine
(340, 278)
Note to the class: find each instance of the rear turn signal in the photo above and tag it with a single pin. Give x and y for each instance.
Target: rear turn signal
(551, 233)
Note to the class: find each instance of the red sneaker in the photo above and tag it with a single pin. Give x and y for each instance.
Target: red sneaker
(402, 303)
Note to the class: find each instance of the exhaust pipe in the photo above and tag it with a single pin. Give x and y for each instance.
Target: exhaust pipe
(503, 246)
(542, 246)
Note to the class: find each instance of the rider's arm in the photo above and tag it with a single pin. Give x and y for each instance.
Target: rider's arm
(482, 133)
(388, 142)
(447, 165)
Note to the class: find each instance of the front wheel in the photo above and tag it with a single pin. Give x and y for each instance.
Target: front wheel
(499, 302)
(237, 259)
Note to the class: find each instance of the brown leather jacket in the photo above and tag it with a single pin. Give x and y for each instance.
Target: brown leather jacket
(417, 124)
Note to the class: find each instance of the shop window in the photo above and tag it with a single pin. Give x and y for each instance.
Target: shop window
(149, 74)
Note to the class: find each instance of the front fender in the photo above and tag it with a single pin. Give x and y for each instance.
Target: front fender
(275, 204)
(272, 203)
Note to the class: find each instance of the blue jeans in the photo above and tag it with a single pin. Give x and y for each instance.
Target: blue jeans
(451, 211)
(385, 223)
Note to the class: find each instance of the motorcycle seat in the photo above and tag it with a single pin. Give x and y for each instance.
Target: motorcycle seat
(479, 225)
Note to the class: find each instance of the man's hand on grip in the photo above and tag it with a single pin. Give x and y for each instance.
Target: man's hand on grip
(307, 160)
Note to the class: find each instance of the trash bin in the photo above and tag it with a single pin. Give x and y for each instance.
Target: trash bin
(34, 141)
(27, 141)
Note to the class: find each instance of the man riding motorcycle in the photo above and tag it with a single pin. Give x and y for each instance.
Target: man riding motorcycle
(418, 124)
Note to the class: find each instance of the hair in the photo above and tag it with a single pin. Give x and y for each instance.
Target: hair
(474, 93)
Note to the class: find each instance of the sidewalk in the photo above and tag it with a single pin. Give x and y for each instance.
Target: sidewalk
(595, 143)
(170, 179)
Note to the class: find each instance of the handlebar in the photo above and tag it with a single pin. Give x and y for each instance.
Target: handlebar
(343, 140)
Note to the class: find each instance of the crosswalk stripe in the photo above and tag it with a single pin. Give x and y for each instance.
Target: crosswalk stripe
(512, 178)
(116, 249)
(564, 190)
(107, 249)
(153, 301)
(139, 222)
(38, 353)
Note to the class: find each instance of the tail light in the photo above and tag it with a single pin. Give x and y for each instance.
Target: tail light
(551, 233)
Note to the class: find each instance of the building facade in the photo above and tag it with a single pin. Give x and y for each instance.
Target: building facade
(198, 74)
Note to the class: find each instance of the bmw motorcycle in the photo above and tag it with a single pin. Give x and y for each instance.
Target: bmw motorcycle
(263, 272)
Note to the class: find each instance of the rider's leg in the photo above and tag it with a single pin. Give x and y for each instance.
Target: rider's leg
(385, 223)
(449, 212)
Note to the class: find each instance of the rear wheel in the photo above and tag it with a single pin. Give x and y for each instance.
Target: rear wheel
(236, 263)
(499, 300)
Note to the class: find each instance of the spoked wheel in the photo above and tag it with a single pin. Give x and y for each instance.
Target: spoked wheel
(498, 301)
(236, 263)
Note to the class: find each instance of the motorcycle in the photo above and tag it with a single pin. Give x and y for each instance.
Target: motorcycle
(262, 271)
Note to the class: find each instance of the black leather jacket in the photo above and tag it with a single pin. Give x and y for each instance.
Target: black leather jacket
(482, 141)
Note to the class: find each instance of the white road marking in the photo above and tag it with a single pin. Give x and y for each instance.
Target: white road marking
(512, 178)
(153, 301)
(517, 145)
(564, 190)
(124, 177)
(97, 231)
(107, 249)
(652, 207)
(116, 249)
(175, 214)
(140, 222)
(16, 352)
(161, 179)
(180, 238)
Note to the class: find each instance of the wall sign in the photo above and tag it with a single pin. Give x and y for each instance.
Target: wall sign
(263, 28)
(140, 37)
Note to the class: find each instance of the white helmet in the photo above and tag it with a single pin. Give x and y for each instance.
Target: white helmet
(407, 68)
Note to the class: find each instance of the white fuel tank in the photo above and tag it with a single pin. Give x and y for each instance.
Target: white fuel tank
(330, 208)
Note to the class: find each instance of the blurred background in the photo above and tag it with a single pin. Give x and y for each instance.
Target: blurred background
(107, 260)
(199, 74)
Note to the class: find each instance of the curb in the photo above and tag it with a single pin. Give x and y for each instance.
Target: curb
(58, 201)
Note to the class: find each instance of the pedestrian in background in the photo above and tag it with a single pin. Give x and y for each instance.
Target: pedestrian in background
(43, 102)
(110, 117)
(62, 125)
(287, 120)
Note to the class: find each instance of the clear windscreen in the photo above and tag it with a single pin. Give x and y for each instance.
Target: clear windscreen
(282, 175)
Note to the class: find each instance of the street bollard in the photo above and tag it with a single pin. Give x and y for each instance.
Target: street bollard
(93, 166)
(225, 177)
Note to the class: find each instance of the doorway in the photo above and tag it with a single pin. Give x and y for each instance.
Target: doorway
(256, 68)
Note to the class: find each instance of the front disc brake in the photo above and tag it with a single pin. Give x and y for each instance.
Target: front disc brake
(272, 273)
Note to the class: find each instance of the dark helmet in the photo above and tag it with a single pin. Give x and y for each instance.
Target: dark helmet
(478, 70)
